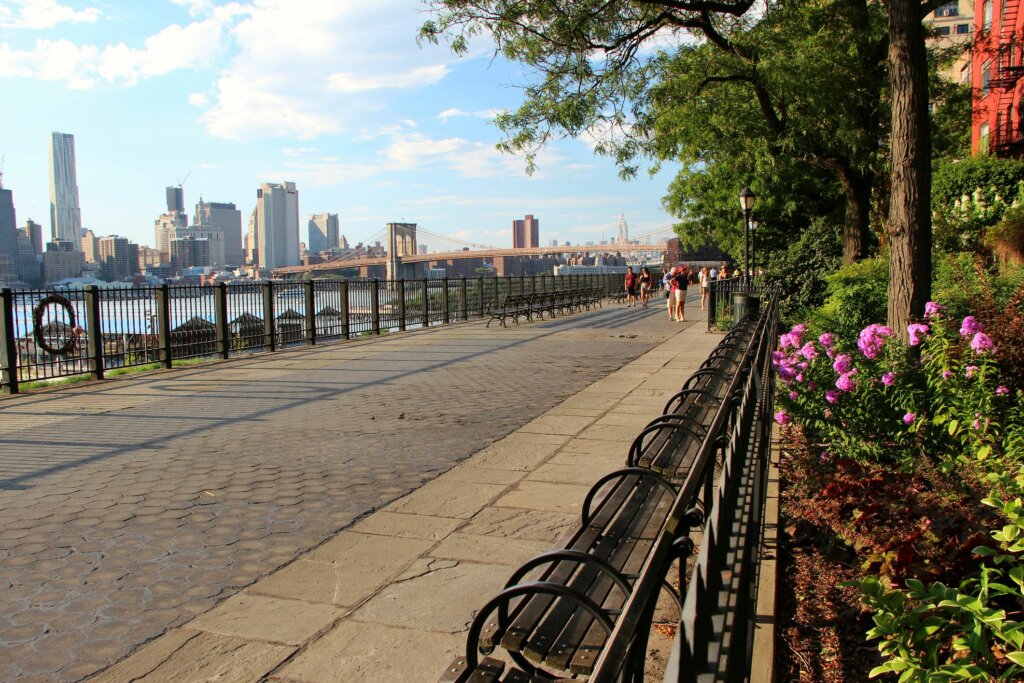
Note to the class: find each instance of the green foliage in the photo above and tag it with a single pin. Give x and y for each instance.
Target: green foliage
(971, 195)
(855, 297)
(1006, 238)
(804, 266)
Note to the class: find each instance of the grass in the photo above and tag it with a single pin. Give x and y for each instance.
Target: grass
(113, 372)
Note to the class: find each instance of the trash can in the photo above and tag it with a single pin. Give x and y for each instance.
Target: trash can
(743, 304)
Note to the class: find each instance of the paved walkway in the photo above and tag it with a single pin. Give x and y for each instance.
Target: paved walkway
(131, 507)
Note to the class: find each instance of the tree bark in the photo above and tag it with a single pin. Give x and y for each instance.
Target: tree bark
(857, 223)
(909, 226)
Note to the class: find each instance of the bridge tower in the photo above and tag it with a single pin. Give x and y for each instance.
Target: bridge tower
(401, 240)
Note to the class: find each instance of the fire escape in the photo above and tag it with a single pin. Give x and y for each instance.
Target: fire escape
(1008, 139)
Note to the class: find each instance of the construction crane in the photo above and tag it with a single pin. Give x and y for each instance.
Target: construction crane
(182, 181)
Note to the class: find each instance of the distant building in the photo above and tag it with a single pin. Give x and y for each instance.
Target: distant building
(323, 232)
(65, 211)
(62, 260)
(997, 121)
(276, 228)
(526, 233)
(8, 237)
(952, 24)
(176, 199)
(90, 246)
(149, 257)
(118, 258)
(623, 231)
(166, 227)
(189, 252)
(34, 232)
(27, 263)
(228, 219)
(421, 249)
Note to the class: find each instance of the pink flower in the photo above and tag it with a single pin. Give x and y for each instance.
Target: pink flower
(909, 418)
(842, 364)
(831, 395)
(969, 327)
(812, 385)
(981, 343)
(977, 424)
(933, 310)
(946, 374)
(793, 396)
(888, 379)
(778, 357)
(970, 370)
(846, 381)
(872, 338)
(917, 333)
(808, 351)
(827, 339)
(782, 418)
(1002, 390)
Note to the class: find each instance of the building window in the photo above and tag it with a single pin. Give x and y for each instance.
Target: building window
(983, 138)
(986, 76)
(963, 29)
(942, 31)
(986, 15)
(965, 74)
(950, 9)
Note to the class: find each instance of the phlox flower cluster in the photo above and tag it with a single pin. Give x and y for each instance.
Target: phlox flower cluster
(933, 310)
(917, 333)
(872, 339)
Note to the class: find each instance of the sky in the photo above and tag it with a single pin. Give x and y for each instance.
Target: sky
(334, 95)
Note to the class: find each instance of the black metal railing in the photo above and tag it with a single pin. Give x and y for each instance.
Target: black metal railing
(731, 299)
(715, 633)
(54, 333)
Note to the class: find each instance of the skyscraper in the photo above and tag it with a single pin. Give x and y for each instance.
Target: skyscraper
(623, 236)
(277, 225)
(229, 220)
(116, 258)
(175, 199)
(34, 232)
(526, 233)
(8, 236)
(65, 211)
(323, 232)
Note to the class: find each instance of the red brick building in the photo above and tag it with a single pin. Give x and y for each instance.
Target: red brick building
(996, 70)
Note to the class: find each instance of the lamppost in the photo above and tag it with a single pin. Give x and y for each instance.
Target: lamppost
(753, 251)
(747, 204)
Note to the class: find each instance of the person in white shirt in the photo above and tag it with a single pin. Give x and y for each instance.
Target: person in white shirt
(713, 275)
(704, 278)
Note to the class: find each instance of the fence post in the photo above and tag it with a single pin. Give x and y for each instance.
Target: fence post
(446, 301)
(401, 304)
(8, 344)
(712, 304)
(310, 293)
(163, 309)
(496, 281)
(522, 284)
(375, 305)
(426, 303)
(345, 330)
(221, 313)
(95, 330)
(480, 280)
(269, 333)
(464, 297)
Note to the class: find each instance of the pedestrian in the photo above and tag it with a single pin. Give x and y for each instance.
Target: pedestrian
(666, 283)
(723, 274)
(680, 281)
(713, 273)
(645, 285)
(630, 287)
(704, 278)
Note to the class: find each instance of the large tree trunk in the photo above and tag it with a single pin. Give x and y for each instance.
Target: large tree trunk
(909, 228)
(857, 224)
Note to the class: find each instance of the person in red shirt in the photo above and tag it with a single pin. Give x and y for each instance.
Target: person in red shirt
(630, 287)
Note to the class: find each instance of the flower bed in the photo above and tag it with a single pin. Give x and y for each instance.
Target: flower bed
(899, 458)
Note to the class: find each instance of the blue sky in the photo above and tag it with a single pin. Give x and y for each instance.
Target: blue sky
(334, 95)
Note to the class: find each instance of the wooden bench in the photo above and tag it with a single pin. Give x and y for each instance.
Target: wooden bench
(557, 610)
(516, 306)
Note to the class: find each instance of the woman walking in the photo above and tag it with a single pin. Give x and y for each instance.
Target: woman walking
(704, 278)
(680, 281)
(645, 285)
(666, 283)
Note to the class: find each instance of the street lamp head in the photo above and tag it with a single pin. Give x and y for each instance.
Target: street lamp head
(753, 225)
(747, 199)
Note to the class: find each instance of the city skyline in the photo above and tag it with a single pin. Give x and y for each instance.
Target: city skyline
(205, 93)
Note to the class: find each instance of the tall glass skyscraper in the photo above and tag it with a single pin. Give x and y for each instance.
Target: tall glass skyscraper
(65, 211)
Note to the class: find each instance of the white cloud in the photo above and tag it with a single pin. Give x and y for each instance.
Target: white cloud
(480, 113)
(195, 45)
(43, 14)
(198, 99)
(416, 78)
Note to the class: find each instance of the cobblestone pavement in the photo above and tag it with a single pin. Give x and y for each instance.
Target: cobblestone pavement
(128, 507)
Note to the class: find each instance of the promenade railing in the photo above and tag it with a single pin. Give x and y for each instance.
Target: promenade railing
(732, 299)
(55, 333)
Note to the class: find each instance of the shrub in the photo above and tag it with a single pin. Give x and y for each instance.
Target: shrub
(856, 296)
(970, 195)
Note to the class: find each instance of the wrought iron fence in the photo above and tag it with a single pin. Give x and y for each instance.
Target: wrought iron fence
(52, 333)
(731, 299)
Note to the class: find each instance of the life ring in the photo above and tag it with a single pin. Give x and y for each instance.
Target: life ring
(37, 321)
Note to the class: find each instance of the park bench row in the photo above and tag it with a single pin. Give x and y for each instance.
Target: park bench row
(559, 609)
(516, 306)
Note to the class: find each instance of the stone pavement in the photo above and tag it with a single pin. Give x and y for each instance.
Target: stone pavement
(131, 506)
(390, 598)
